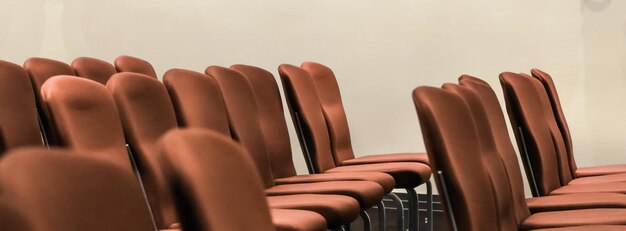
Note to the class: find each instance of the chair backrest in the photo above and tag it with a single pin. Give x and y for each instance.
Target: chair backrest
(197, 100)
(39, 70)
(500, 134)
(453, 148)
(334, 113)
(535, 126)
(272, 119)
(507, 205)
(94, 69)
(12, 219)
(243, 117)
(18, 108)
(86, 118)
(63, 190)
(555, 102)
(126, 63)
(147, 113)
(307, 115)
(207, 171)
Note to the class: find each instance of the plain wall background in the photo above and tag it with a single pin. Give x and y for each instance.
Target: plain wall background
(379, 50)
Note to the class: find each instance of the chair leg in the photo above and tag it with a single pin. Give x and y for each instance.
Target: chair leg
(429, 198)
(399, 210)
(413, 209)
(367, 223)
(382, 217)
(347, 227)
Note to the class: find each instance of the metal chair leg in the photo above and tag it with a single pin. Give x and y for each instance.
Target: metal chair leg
(399, 210)
(429, 201)
(413, 209)
(382, 217)
(367, 223)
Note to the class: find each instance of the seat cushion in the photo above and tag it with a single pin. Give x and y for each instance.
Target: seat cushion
(620, 177)
(337, 210)
(297, 220)
(601, 170)
(386, 158)
(616, 187)
(384, 180)
(406, 174)
(576, 201)
(575, 218)
(365, 192)
(588, 228)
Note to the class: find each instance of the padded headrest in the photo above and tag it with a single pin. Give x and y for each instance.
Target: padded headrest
(126, 63)
(94, 69)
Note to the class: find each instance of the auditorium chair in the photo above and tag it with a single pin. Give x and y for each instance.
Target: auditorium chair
(125, 63)
(61, 190)
(308, 117)
(496, 124)
(94, 69)
(39, 70)
(147, 113)
(553, 95)
(470, 174)
(18, 108)
(541, 144)
(201, 165)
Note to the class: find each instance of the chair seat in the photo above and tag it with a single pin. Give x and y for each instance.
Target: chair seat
(588, 228)
(365, 192)
(297, 220)
(406, 174)
(576, 201)
(336, 210)
(575, 218)
(600, 170)
(620, 177)
(386, 158)
(615, 187)
(384, 180)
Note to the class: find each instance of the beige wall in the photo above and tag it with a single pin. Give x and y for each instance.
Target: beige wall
(380, 50)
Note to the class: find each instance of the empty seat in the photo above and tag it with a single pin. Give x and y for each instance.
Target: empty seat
(201, 166)
(63, 190)
(94, 69)
(470, 175)
(39, 70)
(86, 118)
(18, 109)
(125, 63)
(555, 102)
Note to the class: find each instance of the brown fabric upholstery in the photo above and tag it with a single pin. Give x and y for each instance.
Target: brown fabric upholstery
(575, 218)
(12, 219)
(245, 124)
(86, 118)
(336, 210)
(125, 63)
(587, 228)
(553, 95)
(337, 123)
(147, 113)
(197, 100)
(200, 167)
(274, 129)
(39, 70)
(94, 69)
(576, 201)
(62, 190)
(454, 152)
(18, 110)
(297, 220)
(304, 101)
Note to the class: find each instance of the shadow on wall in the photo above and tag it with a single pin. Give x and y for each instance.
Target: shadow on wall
(598, 5)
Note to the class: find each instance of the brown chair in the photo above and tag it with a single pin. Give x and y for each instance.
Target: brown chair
(87, 119)
(470, 175)
(496, 124)
(39, 70)
(200, 167)
(553, 95)
(308, 118)
(541, 142)
(18, 110)
(63, 190)
(147, 113)
(94, 69)
(126, 63)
